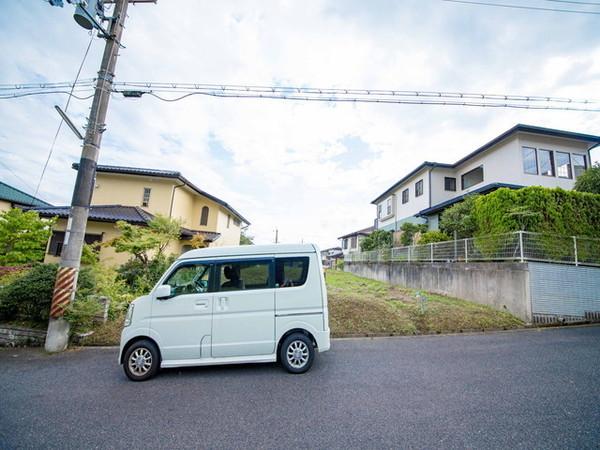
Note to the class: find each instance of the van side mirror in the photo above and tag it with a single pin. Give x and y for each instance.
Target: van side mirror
(163, 292)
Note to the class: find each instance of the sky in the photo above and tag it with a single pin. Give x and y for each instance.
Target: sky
(307, 169)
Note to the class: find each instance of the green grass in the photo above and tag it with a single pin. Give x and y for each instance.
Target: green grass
(359, 306)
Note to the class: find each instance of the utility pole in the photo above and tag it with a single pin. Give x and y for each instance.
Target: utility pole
(57, 337)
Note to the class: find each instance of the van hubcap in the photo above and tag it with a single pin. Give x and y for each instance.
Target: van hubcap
(297, 354)
(140, 361)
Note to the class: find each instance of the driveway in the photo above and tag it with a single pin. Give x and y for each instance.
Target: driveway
(523, 389)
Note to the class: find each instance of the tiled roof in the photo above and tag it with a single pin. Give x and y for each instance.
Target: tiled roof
(209, 236)
(19, 197)
(165, 174)
(363, 232)
(102, 213)
(517, 128)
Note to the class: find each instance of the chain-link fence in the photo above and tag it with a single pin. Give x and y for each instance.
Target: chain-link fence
(517, 246)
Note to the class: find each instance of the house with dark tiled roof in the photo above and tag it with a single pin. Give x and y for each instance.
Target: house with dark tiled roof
(524, 155)
(351, 242)
(136, 195)
(11, 197)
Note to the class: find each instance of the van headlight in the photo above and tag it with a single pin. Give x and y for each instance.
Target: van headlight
(129, 315)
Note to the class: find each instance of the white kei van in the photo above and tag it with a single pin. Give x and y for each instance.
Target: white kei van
(230, 305)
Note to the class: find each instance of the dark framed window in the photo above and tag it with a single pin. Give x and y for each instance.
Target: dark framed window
(419, 188)
(405, 196)
(546, 160)
(204, 215)
(58, 238)
(563, 165)
(449, 184)
(579, 164)
(388, 206)
(291, 272)
(472, 177)
(345, 244)
(146, 196)
(190, 278)
(529, 160)
(244, 275)
(379, 210)
(353, 242)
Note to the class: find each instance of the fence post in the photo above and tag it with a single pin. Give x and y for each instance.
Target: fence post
(521, 245)
(431, 248)
(575, 249)
(409, 247)
(466, 250)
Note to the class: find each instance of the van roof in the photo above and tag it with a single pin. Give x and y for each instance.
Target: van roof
(243, 250)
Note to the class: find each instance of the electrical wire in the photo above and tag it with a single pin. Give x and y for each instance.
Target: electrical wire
(534, 8)
(573, 2)
(62, 120)
(15, 175)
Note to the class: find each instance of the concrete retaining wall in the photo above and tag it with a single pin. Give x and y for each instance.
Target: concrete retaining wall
(500, 285)
(11, 336)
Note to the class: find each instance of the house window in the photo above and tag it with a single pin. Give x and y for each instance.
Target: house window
(450, 184)
(353, 242)
(380, 210)
(58, 238)
(405, 196)
(345, 244)
(529, 160)
(546, 162)
(204, 216)
(146, 197)
(388, 206)
(236, 221)
(472, 177)
(563, 165)
(579, 164)
(419, 188)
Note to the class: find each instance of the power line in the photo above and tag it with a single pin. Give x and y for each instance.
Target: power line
(62, 120)
(575, 2)
(25, 183)
(534, 8)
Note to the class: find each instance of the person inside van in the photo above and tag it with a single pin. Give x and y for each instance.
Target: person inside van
(232, 273)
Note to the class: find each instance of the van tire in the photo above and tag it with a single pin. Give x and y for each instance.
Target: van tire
(297, 353)
(141, 361)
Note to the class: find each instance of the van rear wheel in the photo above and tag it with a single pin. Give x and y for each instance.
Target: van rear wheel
(297, 353)
(141, 360)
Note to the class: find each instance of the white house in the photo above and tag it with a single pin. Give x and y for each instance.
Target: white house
(351, 242)
(522, 156)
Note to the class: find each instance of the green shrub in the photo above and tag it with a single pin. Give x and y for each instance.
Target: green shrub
(139, 277)
(81, 313)
(458, 220)
(409, 230)
(433, 236)
(378, 239)
(28, 297)
(589, 181)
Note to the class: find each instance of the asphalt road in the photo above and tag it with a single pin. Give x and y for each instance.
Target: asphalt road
(526, 389)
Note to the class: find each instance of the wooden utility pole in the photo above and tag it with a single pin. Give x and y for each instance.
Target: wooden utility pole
(57, 337)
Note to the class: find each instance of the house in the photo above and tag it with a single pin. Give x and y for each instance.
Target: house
(329, 256)
(524, 155)
(11, 197)
(351, 242)
(136, 195)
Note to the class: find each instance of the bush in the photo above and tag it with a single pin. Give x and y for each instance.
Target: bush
(409, 230)
(28, 297)
(81, 313)
(433, 236)
(458, 220)
(378, 239)
(589, 181)
(139, 277)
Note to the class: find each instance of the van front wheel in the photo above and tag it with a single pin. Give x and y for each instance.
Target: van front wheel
(297, 353)
(141, 361)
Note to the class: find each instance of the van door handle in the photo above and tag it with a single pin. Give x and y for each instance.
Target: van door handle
(202, 304)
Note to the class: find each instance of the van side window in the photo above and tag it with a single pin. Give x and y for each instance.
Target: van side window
(189, 279)
(240, 276)
(290, 272)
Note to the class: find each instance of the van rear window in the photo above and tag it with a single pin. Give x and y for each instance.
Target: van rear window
(291, 272)
(240, 276)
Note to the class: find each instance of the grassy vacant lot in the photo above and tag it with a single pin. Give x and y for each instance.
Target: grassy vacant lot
(359, 306)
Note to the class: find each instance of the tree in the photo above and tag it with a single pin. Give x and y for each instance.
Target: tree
(23, 236)
(589, 181)
(246, 239)
(145, 242)
(409, 230)
(458, 221)
(378, 239)
(433, 236)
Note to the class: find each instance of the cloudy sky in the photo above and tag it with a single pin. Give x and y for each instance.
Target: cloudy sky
(307, 169)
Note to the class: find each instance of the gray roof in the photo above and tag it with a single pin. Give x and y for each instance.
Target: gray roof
(19, 197)
(165, 174)
(364, 232)
(113, 213)
(591, 139)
